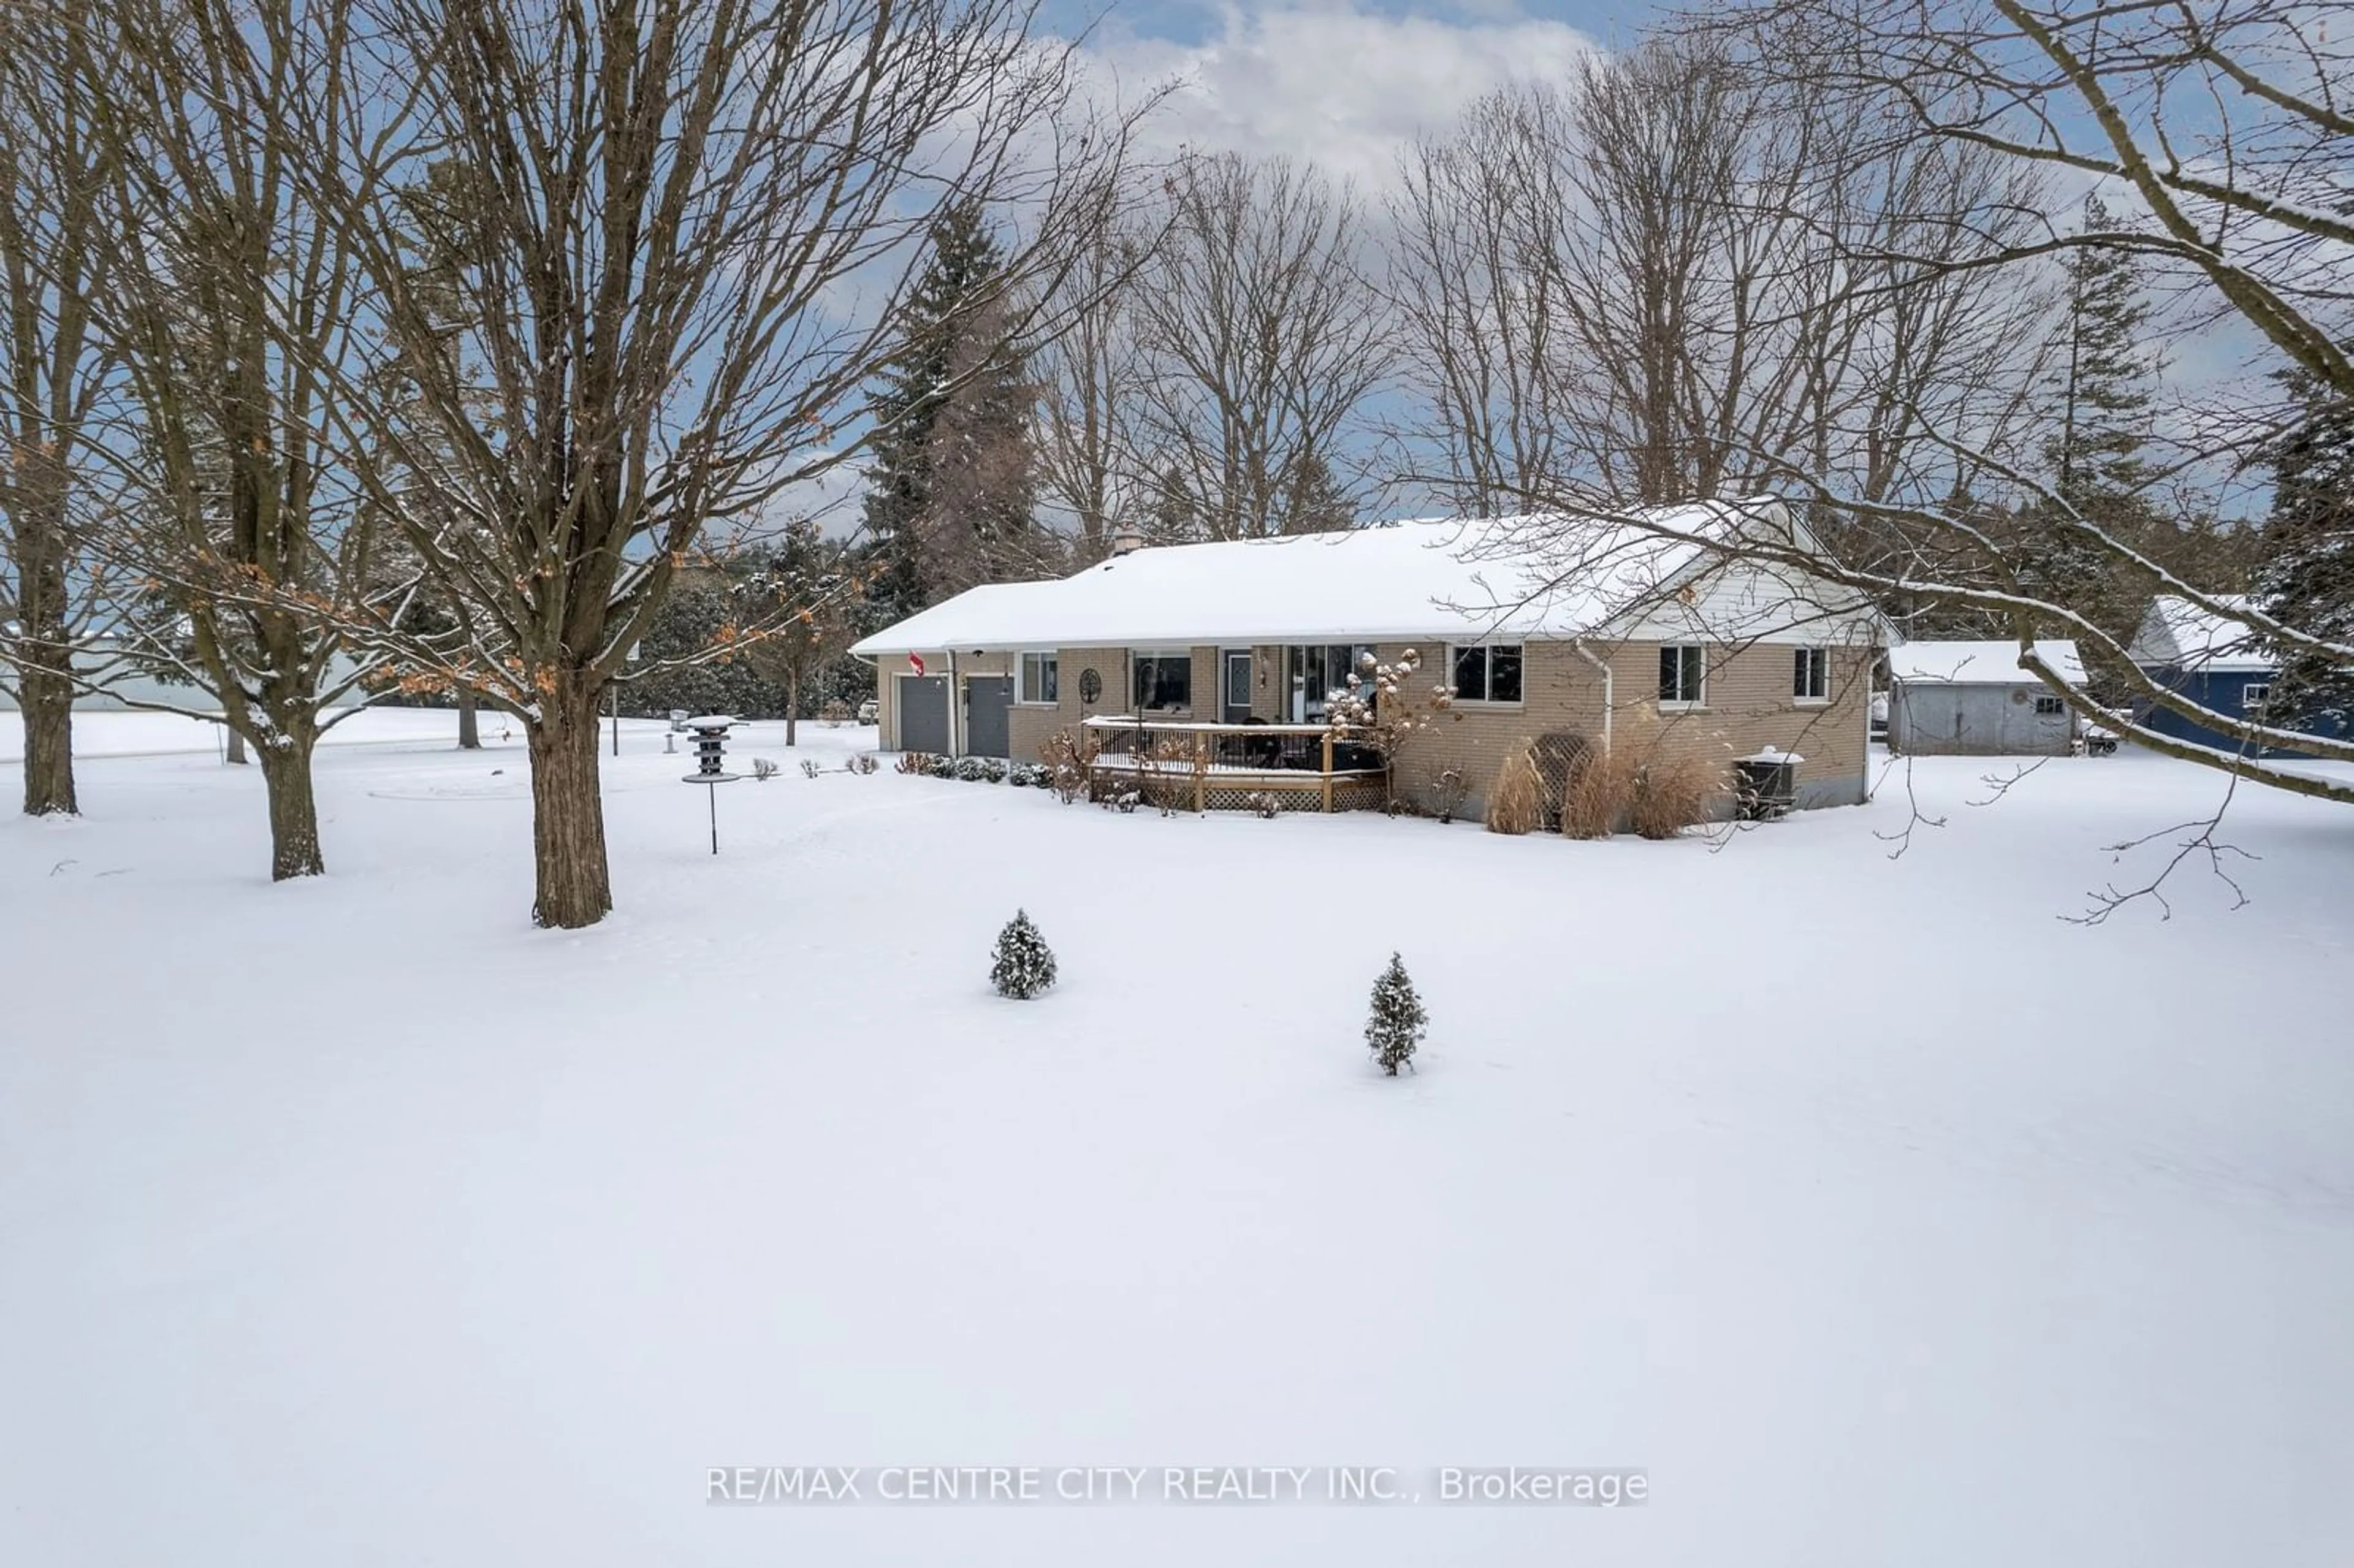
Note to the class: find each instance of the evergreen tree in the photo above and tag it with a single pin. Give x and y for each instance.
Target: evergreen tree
(2307, 575)
(2105, 376)
(1171, 517)
(1024, 965)
(803, 587)
(952, 492)
(1313, 501)
(2101, 398)
(701, 613)
(1397, 1023)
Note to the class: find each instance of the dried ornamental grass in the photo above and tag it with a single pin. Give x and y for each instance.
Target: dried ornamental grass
(1670, 794)
(1516, 804)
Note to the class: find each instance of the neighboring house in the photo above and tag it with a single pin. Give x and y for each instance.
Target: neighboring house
(1972, 699)
(1647, 639)
(2216, 662)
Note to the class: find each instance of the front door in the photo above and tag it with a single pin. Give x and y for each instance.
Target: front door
(1236, 689)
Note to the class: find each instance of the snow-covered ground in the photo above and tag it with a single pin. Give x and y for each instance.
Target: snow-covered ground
(1877, 1212)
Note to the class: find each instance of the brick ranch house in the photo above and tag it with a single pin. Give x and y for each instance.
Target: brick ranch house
(1647, 633)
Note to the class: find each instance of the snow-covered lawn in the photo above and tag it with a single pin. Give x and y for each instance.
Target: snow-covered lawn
(1880, 1216)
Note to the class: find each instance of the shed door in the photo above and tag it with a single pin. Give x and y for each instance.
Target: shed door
(923, 712)
(988, 701)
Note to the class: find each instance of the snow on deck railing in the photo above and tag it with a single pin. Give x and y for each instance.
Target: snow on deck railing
(1188, 727)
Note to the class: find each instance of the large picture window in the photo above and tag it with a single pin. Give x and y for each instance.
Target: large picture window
(1040, 681)
(1490, 672)
(1683, 676)
(1164, 679)
(1318, 674)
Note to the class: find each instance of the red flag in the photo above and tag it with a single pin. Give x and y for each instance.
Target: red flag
(916, 662)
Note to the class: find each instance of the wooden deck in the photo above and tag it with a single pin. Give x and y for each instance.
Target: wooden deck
(1182, 763)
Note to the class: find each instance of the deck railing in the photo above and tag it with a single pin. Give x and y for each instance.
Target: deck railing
(1175, 763)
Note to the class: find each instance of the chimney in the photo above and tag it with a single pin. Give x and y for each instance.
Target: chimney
(1128, 540)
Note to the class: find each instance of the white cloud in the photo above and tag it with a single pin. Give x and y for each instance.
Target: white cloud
(1345, 88)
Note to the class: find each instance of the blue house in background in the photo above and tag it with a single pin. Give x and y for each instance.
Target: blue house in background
(2217, 663)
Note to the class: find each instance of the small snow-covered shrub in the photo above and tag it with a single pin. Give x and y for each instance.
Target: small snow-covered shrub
(1516, 803)
(1447, 789)
(1670, 794)
(1126, 799)
(863, 764)
(939, 767)
(833, 713)
(763, 770)
(1023, 965)
(993, 769)
(1171, 782)
(1397, 1021)
(914, 762)
(1068, 755)
(1029, 776)
(1263, 803)
(972, 769)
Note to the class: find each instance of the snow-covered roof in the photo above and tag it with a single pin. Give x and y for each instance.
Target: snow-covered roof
(1981, 663)
(1551, 574)
(2181, 635)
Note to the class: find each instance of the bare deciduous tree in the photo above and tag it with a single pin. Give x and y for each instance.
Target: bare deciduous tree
(685, 231)
(2229, 126)
(1672, 278)
(1089, 378)
(1478, 226)
(51, 259)
(230, 305)
(1263, 339)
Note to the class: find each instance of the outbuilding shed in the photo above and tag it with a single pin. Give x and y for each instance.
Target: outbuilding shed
(1975, 699)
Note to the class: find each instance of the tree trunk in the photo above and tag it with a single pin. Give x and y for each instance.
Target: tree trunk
(469, 733)
(47, 697)
(574, 887)
(237, 747)
(293, 808)
(45, 686)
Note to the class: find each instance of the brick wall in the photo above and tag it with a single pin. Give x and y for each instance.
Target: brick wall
(1749, 706)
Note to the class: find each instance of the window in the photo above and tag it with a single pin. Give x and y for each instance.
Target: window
(1683, 676)
(2049, 707)
(1164, 679)
(1811, 680)
(1490, 672)
(1039, 681)
(1317, 673)
(2253, 698)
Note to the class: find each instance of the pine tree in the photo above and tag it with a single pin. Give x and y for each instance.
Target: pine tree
(2104, 378)
(1313, 501)
(2307, 579)
(1398, 1020)
(803, 586)
(1172, 516)
(953, 485)
(2102, 396)
(1025, 965)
